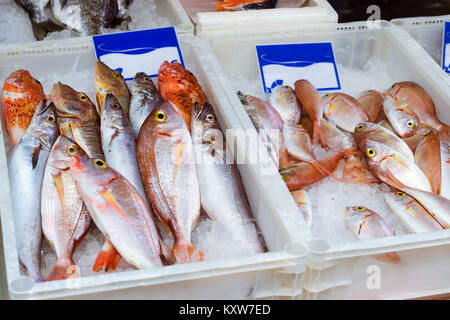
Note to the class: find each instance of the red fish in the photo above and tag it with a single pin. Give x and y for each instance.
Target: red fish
(180, 86)
(20, 95)
(304, 174)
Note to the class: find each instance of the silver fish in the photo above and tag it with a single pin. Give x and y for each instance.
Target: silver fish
(437, 206)
(65, 219)
(26, 171)
(412, 214)
(119, 144)
(85, 17)
(144, 98)
(217, 177)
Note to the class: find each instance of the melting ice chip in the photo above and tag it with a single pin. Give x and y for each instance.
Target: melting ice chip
(321, 75)
(132, 63)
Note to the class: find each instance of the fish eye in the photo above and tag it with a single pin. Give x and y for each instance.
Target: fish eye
(212, 139)
(72, 150)
(160, 116)
(99, 163)
(360, 127)
(83, 97)
(117, 75)
(360, 208)
(393, 86)
(327, 95)
(370, 153)
(51, 118)
(400, 194)
(210, 118)
(411, 124)
(371, 91)
(116, 106)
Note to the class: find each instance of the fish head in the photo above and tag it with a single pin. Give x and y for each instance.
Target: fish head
(62, 151)
(113, 115)
(204, 116)
(399, 198)
(180, 86)
(72, 104)
(107, 81)
(358, 220)
(375, 151)
(243, 98)
(44, 124)
(281, 90)
(403, 120)
(328, 98)
(21, 81)
(90, 171)
(166, 120)
(365, 129)
(394, 89)
(357, 212)
(143, 85)
(171, 71)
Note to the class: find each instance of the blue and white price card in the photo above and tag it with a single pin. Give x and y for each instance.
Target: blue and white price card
(283, 64)
(446, 48)
(138, 51)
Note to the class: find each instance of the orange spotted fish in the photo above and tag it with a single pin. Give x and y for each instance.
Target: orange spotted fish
(180, 87)
(21, 94)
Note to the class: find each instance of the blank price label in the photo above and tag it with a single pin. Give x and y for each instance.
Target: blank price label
(283, 64)
(138, 51)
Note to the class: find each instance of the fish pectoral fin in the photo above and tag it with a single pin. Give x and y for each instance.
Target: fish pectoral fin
(178, 157)
(59, 185)
(111, 202)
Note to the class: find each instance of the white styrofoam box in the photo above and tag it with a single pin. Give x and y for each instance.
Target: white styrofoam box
(258, 276)
(312, 11)
(340, 270)
(427, 31)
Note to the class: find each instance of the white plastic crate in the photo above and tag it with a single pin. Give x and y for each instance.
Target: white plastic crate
(312, 11)
(253, 277)
(427, 31)
(339, 270)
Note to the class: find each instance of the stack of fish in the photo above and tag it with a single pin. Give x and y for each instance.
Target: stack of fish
(84, 17)
(119, 164)
(393, 137)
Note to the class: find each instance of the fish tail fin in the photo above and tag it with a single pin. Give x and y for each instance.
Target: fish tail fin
(185, 252)
(107, 259)
(318, 134)
(390, 257)
(63, 271)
